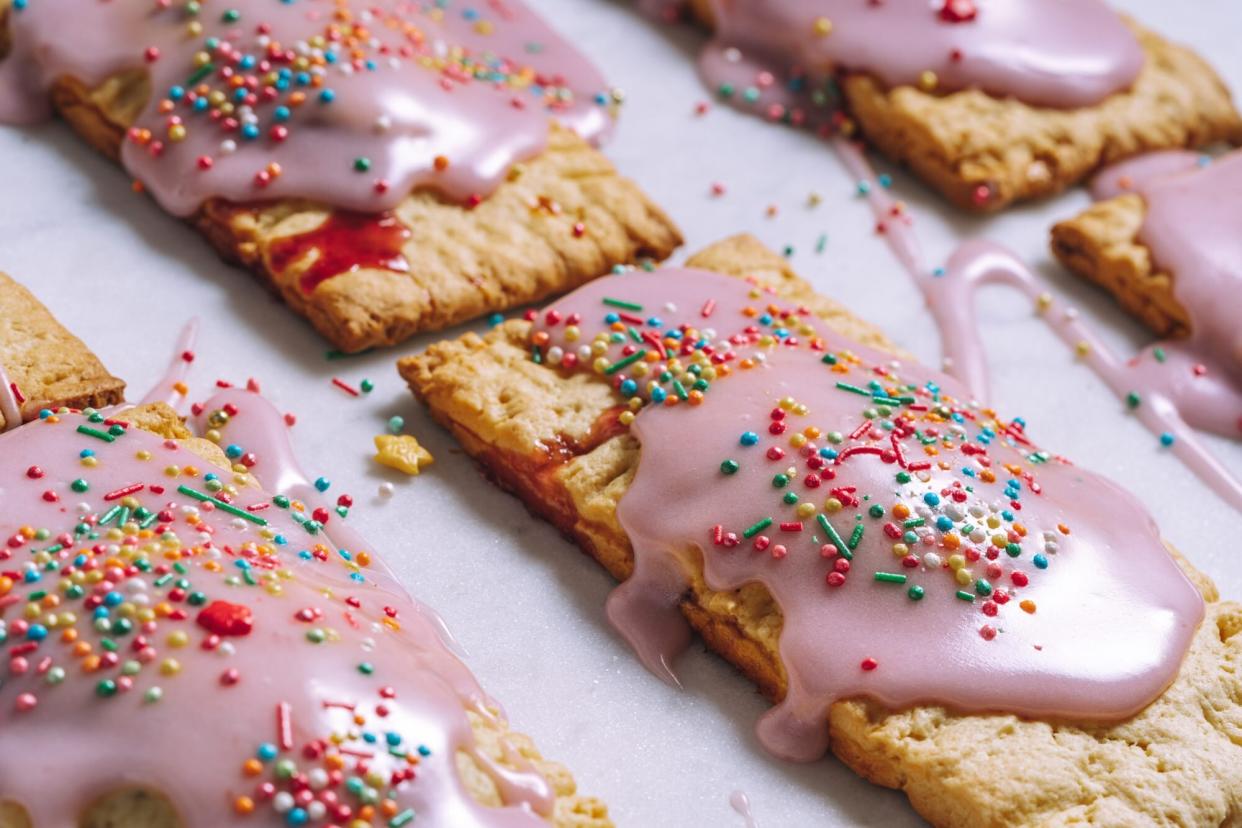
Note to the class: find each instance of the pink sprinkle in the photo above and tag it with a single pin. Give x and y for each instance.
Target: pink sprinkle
(26, 702)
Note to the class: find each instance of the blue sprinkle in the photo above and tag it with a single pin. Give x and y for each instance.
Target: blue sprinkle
(931, 499)
(297, 816)
(84, 453)
(658, 394)
(327, 96)
(322, 484)
(233, 451)
(393, 739)
(629, 388)
(176, 93)
(250, 132)
(36, 632)
(938, 272)
(943, 523)
(267, 752)
(113, 599)
(200, 104)
(1041, 562)
(611, 318)
(495, 319)
(1167, 439)
(749, 438)
(885, 180)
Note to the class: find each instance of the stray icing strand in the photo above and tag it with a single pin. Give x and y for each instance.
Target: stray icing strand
(342, 103)
(1179, 386)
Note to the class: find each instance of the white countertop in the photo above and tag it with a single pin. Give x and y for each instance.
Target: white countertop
(524, 602)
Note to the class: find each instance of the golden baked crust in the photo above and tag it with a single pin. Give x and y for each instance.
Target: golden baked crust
(49, 365)
(519, 245)
(961, 141)
(145, 808)
(1101, 244)
(552, 440)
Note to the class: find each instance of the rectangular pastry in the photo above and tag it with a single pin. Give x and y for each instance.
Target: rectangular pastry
(42, 365)
(952, 611)
(1163, 240)
(987, 105)
(386, 169)
(185, 650)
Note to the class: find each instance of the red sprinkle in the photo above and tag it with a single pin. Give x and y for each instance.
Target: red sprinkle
(223, 618)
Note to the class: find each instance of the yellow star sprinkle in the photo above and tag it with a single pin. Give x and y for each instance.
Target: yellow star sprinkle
(402, 452)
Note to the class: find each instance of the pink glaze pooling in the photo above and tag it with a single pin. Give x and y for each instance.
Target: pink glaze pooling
(380, 692)
(1172, 387)
(447, 96)
(1054, 53)
(1070, 606)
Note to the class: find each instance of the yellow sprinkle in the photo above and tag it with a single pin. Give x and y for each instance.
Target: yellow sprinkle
(403, 453)
(823, 26)
(928, 80)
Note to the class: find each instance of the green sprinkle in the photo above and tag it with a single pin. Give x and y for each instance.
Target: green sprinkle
(367, 386)
(853, 389)
(829, 359)
(105, 689)
(366, 668)
(109, 515)
(757, 527)
(1158, 353)
(876, 511)
(96, 433)
(915, 592)
(629, 360)
(536, 355)
(880, 399)
(634, 335)
(402, 819)
(316, 636)
(780, 481)
(200, 73)
(1133, 399)
(890, 577)
(790, 497)
(362, 164)
(964, 595)
(221, 505)
(821, 242)
(681, 390)
(623, 305)
(903, 477)
(153, 695)
(79, 485)
(983, 587)
(395, 424)
(856, 536)
(833, 536)
(729, 467)
(913, 522)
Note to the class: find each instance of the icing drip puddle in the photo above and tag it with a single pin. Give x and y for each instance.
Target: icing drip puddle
(344, 103)
(271, 669)
(921, 550)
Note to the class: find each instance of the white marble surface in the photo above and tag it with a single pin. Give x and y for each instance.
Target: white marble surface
(524, 602)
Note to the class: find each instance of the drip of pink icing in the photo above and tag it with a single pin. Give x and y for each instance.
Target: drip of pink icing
(381, 659)
(9, 407)
(166, 389)
(473, 85)
(1175, 396)
(1057, 53)
(740, 803)
(1110, 614)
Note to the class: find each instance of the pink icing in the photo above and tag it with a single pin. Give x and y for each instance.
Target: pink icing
(472, 84)
(10, 409)
(1179, 386)
(1056, 53)
(260, 682)
(1070, 604)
